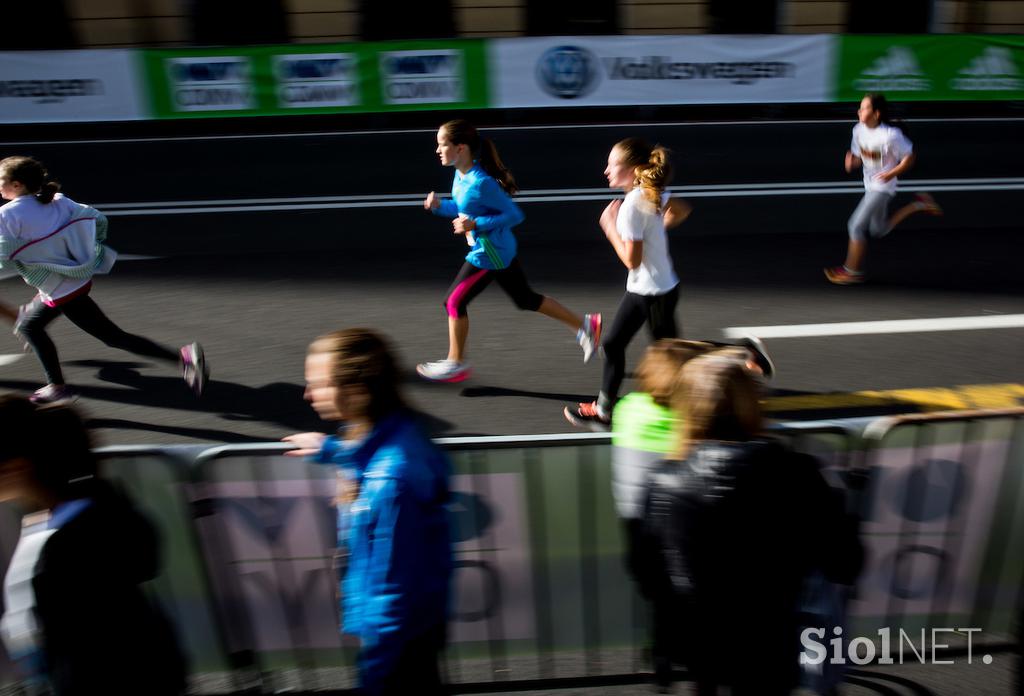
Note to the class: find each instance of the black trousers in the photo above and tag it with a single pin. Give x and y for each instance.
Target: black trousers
(657, 311)
(86, 315)
(418, 670)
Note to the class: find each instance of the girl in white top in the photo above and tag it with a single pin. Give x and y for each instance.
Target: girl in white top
(885, 153)
(56, 245)
(635, 227)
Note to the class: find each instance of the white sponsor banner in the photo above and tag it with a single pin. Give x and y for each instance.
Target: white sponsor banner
(210, 83)
(317, 79)
(603, 71)
(49, 86)
(427, 76)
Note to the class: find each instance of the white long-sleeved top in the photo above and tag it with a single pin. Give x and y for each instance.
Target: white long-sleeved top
(56, 247)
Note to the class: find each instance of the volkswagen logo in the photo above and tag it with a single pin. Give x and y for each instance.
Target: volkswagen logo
(567, 72)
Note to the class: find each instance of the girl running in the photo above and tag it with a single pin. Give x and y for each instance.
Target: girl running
(481, 209)
(885, 153)
(635, 227)
(56, 245)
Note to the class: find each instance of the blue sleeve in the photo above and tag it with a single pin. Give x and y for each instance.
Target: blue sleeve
(447, 209)
(490, 195)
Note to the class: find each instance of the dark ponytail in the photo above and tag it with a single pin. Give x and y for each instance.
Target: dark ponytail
(462, 132)
(492, 164)
(880, 104)
(32, 175)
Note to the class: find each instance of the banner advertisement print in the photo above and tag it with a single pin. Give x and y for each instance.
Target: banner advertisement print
(932, 68)
(600, 71)
(316, 79)
(60, 86)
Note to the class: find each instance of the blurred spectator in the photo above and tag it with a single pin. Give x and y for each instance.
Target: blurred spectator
(392, 519)
(98, 631)
(425, 19)
(238, 22)
(39, 25)
(645, 430)
(743, 16)
(740, 521)
(572, 17)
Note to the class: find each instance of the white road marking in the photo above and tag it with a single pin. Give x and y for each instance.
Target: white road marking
(10, 358)
(389, 200)
(851, 328)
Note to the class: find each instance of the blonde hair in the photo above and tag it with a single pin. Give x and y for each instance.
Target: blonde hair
(652, 167)
(658, 371)
(718, 399)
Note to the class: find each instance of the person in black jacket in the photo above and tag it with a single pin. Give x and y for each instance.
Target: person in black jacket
(100, 632)
(738, 521)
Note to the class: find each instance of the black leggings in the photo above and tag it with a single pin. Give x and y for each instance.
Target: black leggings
(657, 311)
(472, 280)
(86, 315)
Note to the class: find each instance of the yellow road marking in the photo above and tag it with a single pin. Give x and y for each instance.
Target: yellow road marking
(971, 396)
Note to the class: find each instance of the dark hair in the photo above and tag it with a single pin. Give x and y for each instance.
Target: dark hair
(54, 441)
(652, 167)
(880, 104)
(363, 357)
(462, 132)
(32, 175)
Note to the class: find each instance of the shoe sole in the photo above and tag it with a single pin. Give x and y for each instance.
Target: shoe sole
(461, 377)
(836, 279)
(930, 206)
(66, 401)
(761, 358)
(593, 426)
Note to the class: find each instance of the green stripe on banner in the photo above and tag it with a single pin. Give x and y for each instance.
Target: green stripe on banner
(316, 78)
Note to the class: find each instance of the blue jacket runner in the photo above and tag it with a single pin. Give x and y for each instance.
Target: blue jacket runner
(396, 532)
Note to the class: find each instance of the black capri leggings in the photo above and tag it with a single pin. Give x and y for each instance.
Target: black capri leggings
(86, 315)
(472, 280)
(657, 311)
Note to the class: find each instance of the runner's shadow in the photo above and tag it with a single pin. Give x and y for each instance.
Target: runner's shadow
(280, 403)
(472, 392)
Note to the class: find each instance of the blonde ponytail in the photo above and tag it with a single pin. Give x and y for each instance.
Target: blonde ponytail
(653, 176)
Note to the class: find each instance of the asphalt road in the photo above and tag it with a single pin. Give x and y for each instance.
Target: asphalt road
(253, 262)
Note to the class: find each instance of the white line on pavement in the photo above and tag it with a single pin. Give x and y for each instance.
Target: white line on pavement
(997, 321)
(387, 200)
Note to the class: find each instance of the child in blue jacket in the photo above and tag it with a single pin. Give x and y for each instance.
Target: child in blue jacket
(481, 209)
(392, 515)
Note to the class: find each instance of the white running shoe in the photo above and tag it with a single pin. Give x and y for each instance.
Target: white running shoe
(194, 370)
(54, 395)
(444, 370)
(589, 337)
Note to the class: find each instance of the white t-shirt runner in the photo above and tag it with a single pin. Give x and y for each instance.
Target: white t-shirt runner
(880, 149)
(639, 221)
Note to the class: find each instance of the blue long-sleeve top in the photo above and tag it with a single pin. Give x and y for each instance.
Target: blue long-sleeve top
(477, 195)
(397, 534)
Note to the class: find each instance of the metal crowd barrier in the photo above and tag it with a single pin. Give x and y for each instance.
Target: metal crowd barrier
(542, 597)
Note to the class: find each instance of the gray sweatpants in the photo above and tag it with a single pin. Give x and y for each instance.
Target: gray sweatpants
(871, 216)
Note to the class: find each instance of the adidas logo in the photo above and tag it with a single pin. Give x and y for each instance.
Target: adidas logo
(993, 70)
(897, 70)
